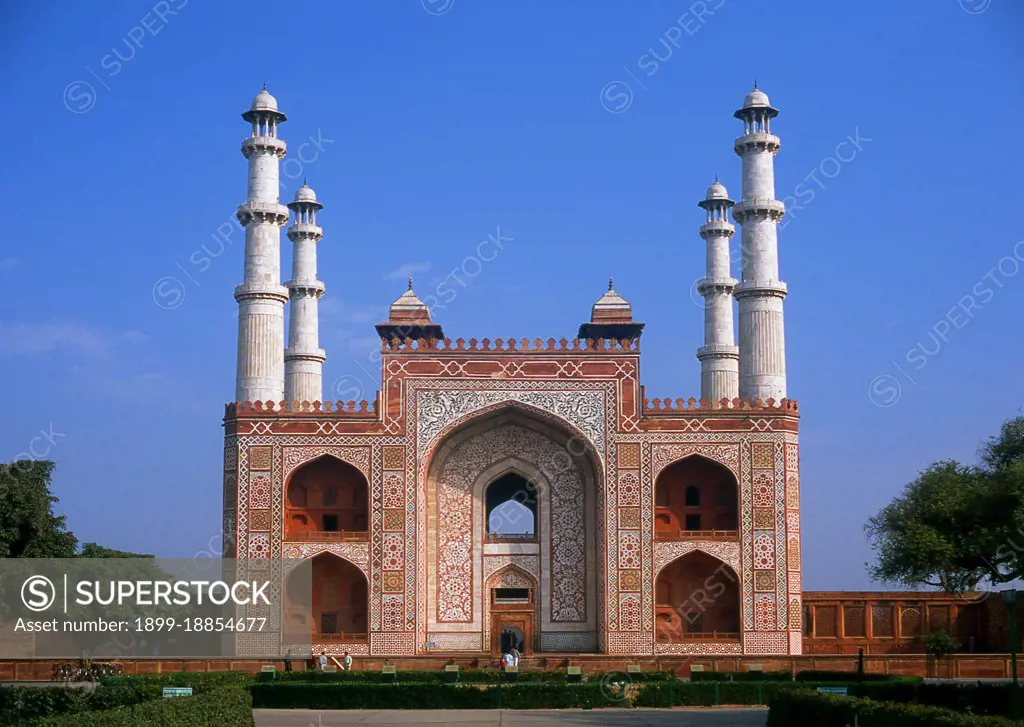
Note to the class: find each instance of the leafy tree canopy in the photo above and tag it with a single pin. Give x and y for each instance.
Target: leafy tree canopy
(28, 526)
(955, 525)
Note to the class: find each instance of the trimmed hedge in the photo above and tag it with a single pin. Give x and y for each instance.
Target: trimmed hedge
(196, 680)
(227, 707)
(741, 676)
(981, 699)
(20, 704)
(206, 680)
(707, 693)
(429, 696)
(849, 676)
(800, 707)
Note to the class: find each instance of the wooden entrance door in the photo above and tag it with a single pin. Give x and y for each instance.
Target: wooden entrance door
(517, 623)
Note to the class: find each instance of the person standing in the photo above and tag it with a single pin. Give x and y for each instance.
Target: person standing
(323, 661)
(346, 662)
(515, 656)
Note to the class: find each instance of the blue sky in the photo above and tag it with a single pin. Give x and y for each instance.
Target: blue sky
(428, 127)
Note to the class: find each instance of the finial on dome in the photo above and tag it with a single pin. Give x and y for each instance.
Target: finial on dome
(265, 85)
(611, 281)
(410, 282)
(755, 84)
(305, 181)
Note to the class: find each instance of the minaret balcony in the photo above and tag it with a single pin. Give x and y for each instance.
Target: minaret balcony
(756, 142)
(717, 228)
(311, 288)
(761, 288)
(756, 208)
(259, 211)
(305, 231)
(261, 291)
(313, 355)
(716, 285)
(718, 351)
(264, 145)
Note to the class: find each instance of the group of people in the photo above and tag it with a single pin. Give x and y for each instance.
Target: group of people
(510, 658)
(510, 644)
(346, 661)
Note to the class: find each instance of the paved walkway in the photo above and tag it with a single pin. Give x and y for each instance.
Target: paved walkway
(718, 717)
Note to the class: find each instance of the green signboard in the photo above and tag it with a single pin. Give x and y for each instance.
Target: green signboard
(177, 691)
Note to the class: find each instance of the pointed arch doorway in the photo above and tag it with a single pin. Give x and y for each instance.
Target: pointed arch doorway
(512, 606)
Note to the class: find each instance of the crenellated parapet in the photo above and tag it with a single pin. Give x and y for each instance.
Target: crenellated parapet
(675, 406)
(512, 345)
(362, 409)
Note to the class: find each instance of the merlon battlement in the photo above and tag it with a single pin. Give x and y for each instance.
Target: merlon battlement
(512, 345)
(675, 406)
(362, 409)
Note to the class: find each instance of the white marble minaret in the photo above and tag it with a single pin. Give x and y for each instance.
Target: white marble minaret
(304, 359)
(719, 357)
(760, 293)
(261, 297)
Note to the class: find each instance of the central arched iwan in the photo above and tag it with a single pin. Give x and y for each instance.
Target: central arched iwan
(549, 475)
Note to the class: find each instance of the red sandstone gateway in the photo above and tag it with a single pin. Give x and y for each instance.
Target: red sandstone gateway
(525, 491)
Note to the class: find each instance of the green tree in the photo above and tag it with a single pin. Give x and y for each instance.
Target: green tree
(92, 550)
(28, 526)
(1006, 448)
(955, 526)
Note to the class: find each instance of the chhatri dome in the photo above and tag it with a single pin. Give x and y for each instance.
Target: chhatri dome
(264, 101)
(756, 103)
(263, 105)
(717, 191)
(757, 97)
(305, 193)
(409, 317)
(611, 318)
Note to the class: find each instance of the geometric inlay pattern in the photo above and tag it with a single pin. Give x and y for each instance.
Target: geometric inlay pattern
(666, 552)
(582, 408)
(663, 455)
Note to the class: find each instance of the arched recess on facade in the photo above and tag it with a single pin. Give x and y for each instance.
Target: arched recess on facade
(326, 499)
(697, 598)
(547, 459)
(511, 506)
(327, 596)
(696, 497)
(508, 592)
